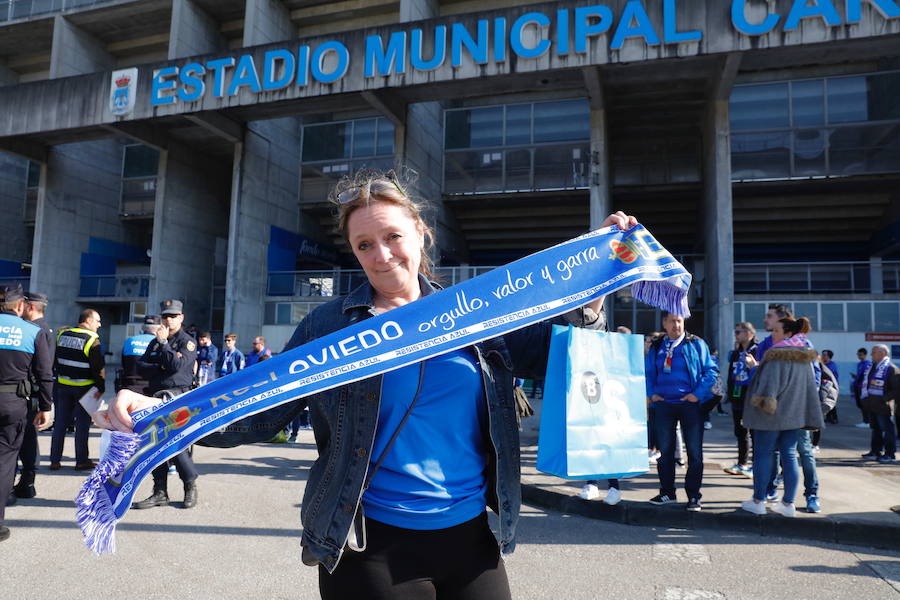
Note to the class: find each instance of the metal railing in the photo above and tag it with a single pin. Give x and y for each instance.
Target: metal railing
(115, 286)
(813, 277)
(325, 284)
(23, 9)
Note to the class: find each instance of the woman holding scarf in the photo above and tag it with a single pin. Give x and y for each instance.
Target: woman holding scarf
(784, 400)
(878, 388)
(422, 450)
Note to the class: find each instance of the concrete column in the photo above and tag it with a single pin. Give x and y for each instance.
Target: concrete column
(876, 275)
(267, 21)
(600, 185)
(265, 192)
(416, 10)
(78, 199)
(718, 229)
(193, 32)
(191, 212)
(75, 52)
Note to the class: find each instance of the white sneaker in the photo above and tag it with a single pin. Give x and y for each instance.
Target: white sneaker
(862, 425)
(589, 492)
(613, 496)
(654, 456)
(785, 510)
(815, 450)
(757, 508)
(707, 425)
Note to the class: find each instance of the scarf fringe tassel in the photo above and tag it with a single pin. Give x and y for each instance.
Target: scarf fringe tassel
(662, 294)
(95, 512)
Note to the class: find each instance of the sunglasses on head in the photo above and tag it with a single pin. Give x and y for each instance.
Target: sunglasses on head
(376, 186)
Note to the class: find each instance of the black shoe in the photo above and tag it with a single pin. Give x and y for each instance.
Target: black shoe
(4, 533)
(661, 499)
(11, 499)
(190, 495)
(85, 466)
(159, 498)
(693, 505)
(25, 487)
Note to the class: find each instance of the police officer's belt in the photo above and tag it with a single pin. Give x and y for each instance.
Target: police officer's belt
(9, 389)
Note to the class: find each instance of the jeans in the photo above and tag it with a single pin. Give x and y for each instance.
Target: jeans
(807, 463)
(764, 463)
(666, 416)
(883, 435)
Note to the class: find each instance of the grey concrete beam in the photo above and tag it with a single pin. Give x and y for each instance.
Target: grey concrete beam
(141, 133)
(600, 195)
(267, 21)
(389, 105)
(29, 149)
(416, 10)
(723, 82)
(594, 87)
(219, 125)
(192, 31)
(75, 52)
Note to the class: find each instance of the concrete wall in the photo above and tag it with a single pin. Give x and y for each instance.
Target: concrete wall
(75, 52)
(16, 241)
(193, 32)
(191, 212)
(265, 193)
(79, 199)
(267, 21)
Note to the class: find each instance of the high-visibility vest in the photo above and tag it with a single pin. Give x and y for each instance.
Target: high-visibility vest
(73, 346)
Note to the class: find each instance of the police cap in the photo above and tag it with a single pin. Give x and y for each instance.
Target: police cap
(152, 320)
(170, 307)
(36, 297)
(11, 293)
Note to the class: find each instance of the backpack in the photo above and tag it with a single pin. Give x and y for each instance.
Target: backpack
(828, 390)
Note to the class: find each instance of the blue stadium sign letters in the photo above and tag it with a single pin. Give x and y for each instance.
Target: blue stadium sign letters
(530, 36)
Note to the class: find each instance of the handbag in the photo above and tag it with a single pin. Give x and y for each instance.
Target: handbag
(594, 414)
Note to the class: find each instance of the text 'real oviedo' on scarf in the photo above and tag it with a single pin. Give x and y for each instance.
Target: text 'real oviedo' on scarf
(529, 290)
(875, 378)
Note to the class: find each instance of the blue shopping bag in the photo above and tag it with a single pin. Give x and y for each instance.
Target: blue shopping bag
(594, 412)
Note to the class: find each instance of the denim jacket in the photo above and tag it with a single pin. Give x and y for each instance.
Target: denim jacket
(344, 421)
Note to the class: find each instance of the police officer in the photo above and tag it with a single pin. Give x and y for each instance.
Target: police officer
(23, 356)
(35, 305)
(168, 364)
(132, 351)
(79, 364)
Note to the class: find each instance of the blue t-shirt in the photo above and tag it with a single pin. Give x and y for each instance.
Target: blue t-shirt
(433, 476)
(675, 385)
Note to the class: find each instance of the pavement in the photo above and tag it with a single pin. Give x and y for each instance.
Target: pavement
(855, 494)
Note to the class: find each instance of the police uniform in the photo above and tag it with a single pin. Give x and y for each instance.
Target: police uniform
(79, 365)
(28, 454)
(23, 355)
(169, 366)
(132, 352)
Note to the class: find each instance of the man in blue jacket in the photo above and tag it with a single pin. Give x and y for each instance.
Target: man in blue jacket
(680, 376)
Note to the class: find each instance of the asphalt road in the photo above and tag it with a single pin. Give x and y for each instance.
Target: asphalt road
(242, 541)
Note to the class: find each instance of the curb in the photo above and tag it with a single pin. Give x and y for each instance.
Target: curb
(823, 529)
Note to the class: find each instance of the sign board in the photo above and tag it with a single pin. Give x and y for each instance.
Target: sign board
(882, 337)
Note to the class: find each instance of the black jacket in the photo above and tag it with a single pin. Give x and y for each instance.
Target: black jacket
(169, 365)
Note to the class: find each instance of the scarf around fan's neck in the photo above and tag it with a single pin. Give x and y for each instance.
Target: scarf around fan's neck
(524, 292)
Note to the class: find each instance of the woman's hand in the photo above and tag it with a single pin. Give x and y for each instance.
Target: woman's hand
(621, 220)
(118, 416)
(750, 361)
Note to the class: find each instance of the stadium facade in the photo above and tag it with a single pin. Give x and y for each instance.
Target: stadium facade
(184, 148)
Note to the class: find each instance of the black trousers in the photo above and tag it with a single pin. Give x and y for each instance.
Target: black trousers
(457, 563)
(13, 412)
(66, 399)
(29, 452)
(742, 434)
(184, 464)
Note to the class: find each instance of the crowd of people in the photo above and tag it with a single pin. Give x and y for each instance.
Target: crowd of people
(409, 495)
(781, 394)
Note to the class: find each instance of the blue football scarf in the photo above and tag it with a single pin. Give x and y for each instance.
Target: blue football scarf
(524, 292)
